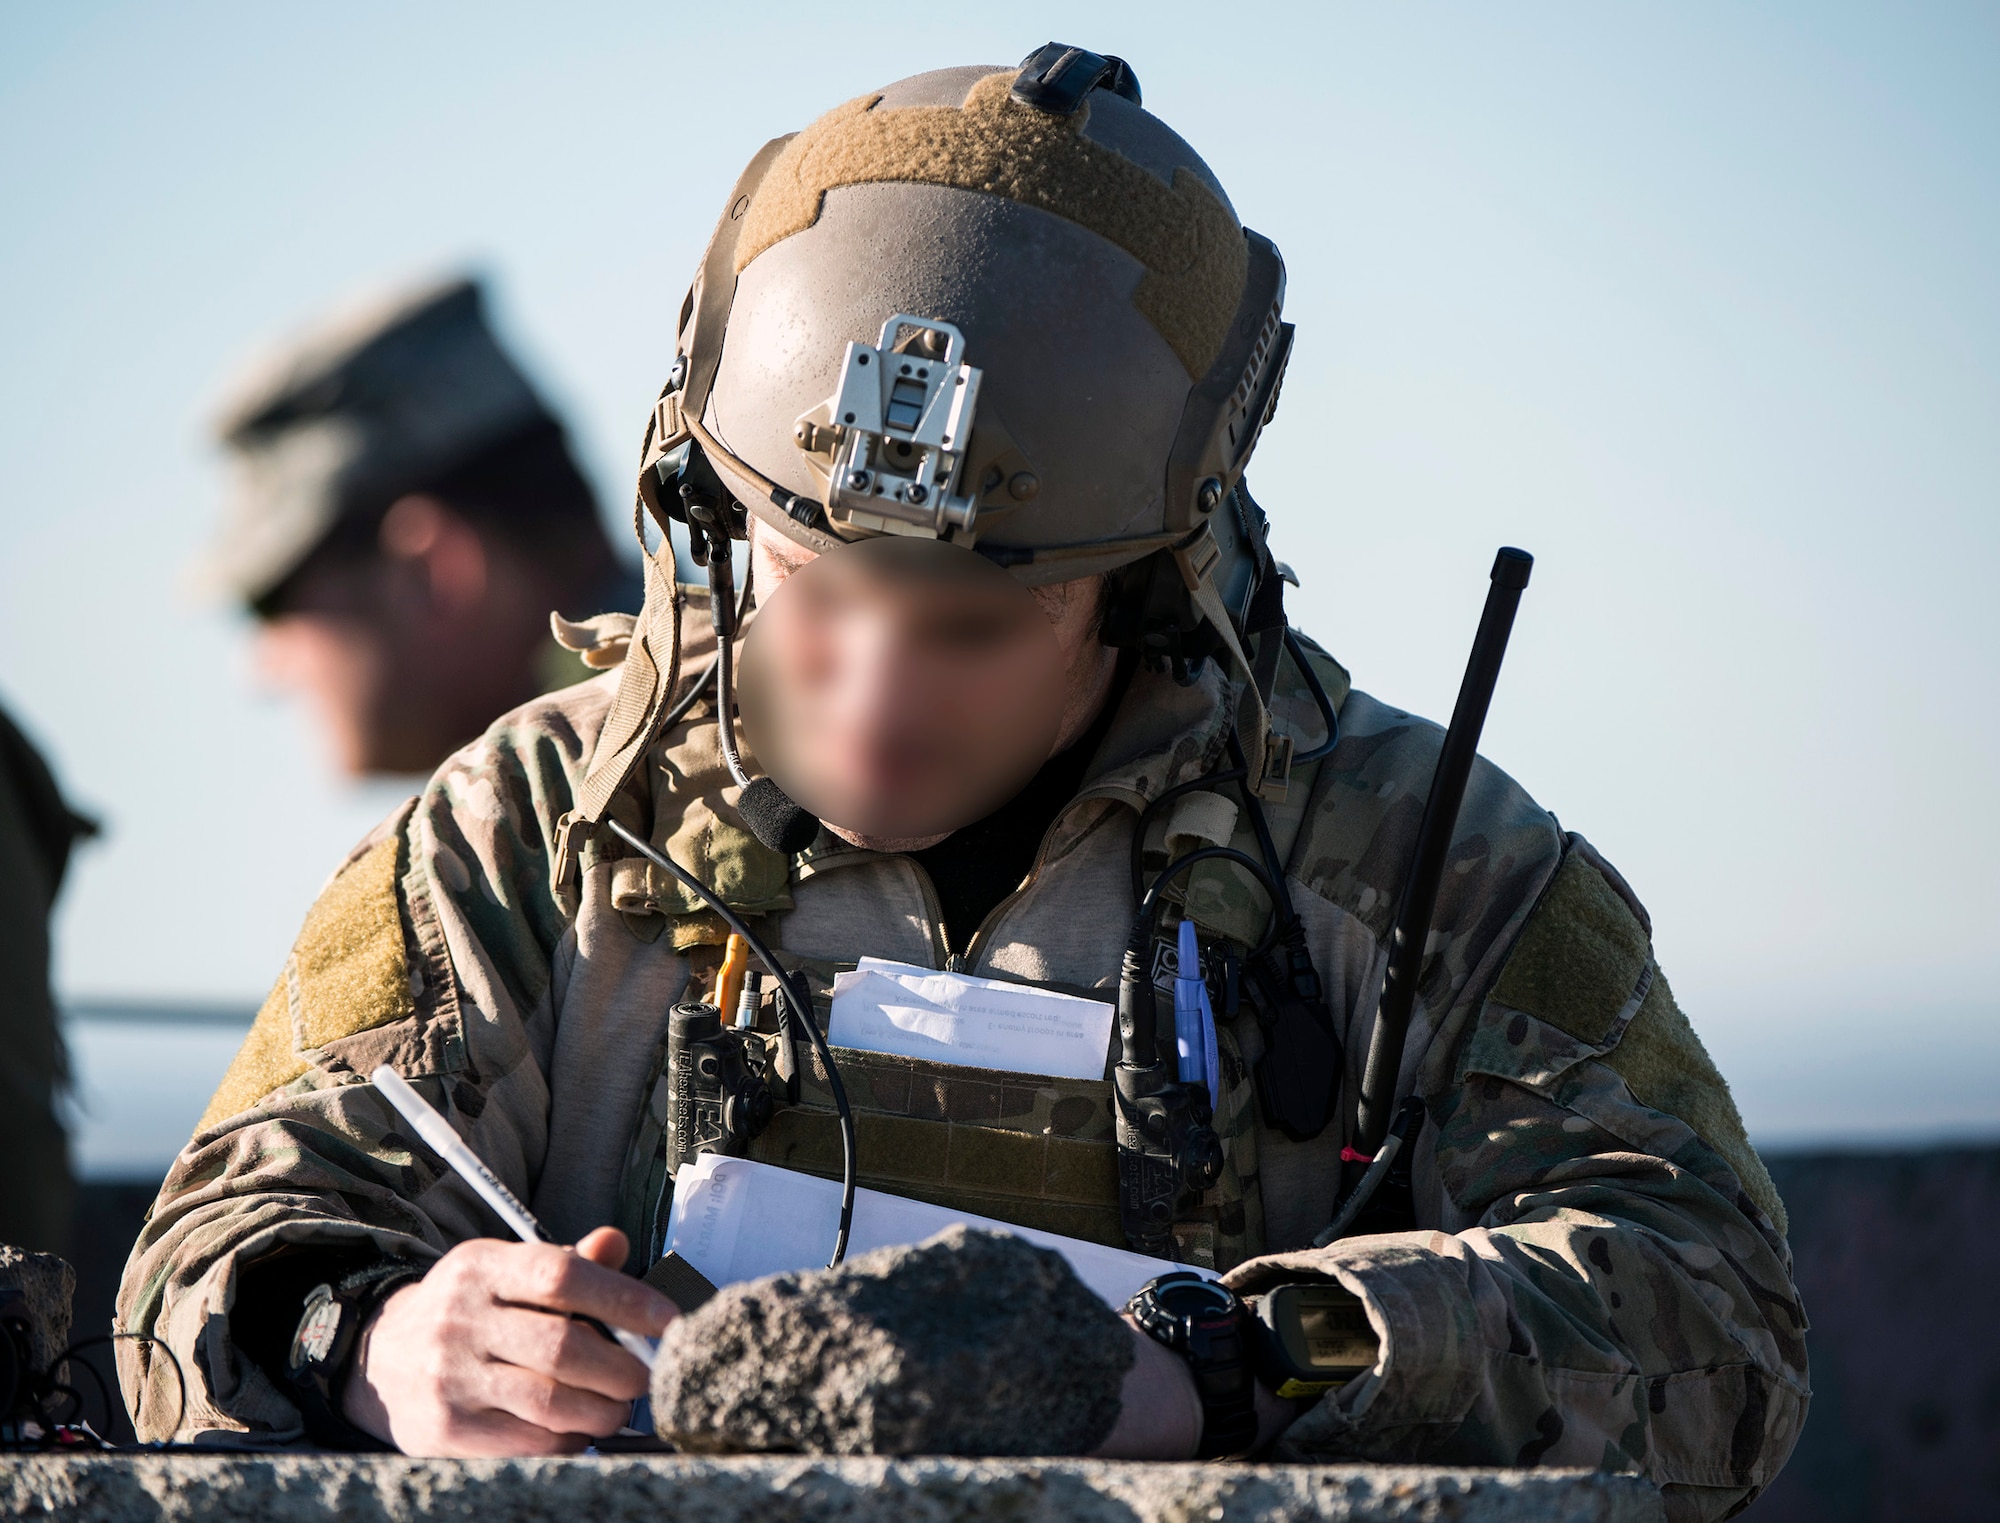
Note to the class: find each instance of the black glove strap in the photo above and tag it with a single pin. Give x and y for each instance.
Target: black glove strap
(322, 1352)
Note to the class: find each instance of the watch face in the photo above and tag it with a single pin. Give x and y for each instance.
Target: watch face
(317, 1328)
(1193, 1296)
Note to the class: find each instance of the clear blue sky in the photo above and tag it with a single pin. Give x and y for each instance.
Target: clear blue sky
(1696, 302)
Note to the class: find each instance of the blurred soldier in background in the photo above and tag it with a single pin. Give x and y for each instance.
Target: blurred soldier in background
(407, 514)
(37, 830)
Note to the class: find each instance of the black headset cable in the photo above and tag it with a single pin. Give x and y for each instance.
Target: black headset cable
(799, 1001)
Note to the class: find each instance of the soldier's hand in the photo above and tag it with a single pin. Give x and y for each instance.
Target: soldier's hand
(481, 1356)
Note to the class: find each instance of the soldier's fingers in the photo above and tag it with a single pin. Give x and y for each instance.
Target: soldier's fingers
(490, 1434)
(573, 1352)
(542, 1275)
(547, 1403)
(604, 1245)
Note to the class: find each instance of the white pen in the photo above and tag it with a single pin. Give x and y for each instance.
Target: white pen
(448, 1145)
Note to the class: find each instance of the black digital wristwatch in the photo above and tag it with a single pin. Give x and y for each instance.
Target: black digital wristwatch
(322, 1352)
(1313, 1337)
(1208, 1325)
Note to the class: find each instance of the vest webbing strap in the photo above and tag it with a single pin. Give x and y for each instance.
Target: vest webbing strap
(652, 664)
(1268, 754)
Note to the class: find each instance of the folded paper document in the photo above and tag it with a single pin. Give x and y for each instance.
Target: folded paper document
(734, 1219)
(914, 1012)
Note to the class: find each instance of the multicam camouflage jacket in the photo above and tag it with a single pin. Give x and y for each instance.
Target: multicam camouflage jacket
(1599, 1276)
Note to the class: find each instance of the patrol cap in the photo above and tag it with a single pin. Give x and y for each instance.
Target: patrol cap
(384, 395)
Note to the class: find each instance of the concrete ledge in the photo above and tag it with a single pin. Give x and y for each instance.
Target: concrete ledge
(667, 1489)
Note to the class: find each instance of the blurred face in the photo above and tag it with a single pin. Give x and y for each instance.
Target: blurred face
(328, 644)
(408, 653)
(901, 688)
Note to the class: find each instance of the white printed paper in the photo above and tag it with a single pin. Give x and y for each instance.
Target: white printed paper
(916, 1012)
(735, 1219)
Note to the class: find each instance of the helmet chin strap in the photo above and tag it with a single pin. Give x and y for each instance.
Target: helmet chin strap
(1268, 754)
(722, 611)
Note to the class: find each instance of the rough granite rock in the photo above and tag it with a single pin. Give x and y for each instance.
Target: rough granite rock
(971, 1343)
(387, 1488)
(47, 1285)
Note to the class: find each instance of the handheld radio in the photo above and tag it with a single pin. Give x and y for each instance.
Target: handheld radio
(719, 1098)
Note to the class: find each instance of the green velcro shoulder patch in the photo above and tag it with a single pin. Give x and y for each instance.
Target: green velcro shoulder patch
(348, 972)
(1580, 955)
(1583, 958)
(1666, 1067)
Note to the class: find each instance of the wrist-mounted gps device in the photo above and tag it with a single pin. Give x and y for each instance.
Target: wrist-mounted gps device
(1208, 1325)
(1312, 1337)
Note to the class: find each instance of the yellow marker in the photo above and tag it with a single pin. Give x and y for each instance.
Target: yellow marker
(729, 981)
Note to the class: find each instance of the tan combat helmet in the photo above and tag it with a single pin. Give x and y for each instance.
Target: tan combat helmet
(1005, 308)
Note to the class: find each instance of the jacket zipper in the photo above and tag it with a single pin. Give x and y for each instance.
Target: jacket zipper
(941, 956)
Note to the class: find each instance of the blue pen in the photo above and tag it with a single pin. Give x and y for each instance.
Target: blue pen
(1194, 1018)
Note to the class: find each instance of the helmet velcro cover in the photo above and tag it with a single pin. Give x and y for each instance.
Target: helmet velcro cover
(1184, 234)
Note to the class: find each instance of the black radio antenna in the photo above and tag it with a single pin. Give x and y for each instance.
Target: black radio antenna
(1440, 822)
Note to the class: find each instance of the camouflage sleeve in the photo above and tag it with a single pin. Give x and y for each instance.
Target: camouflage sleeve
(1610, 1286)
(430, 950)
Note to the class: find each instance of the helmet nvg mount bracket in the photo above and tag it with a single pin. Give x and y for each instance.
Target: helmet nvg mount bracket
(897, 431)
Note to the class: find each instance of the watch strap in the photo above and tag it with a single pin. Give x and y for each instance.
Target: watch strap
(1215, 1341)
(323, 1349)
(1226, 1379)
